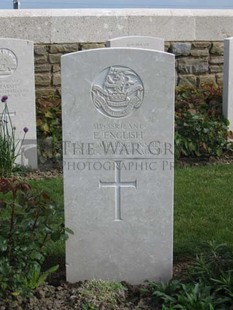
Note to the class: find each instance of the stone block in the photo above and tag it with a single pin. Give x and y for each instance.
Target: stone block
(55, 58)
(181, 49)
(187, 80)
(219, 79)
(200, 52)
(216, 68)
(217, 48)
(56, 79)
(201, 45)
(192, 66)
(138, 42)
(207, 79)
(43, 59)
(167, 46)
(56, 68)
(88, 46)
(64, 48)
(215, 60)
(40, 50)
(42, 68)
(44, 92)
(43, 79)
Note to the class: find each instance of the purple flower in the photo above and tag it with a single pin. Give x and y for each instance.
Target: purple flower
(4, 98)
(25, 129)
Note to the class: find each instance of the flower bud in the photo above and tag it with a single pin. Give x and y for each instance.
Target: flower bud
(4, 98)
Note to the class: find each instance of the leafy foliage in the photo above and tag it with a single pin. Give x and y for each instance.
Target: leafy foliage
(209, 284)
(29, 221)
(49, 127)
(201, 130)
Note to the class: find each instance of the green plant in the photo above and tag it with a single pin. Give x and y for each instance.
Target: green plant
(49, 127)
(9, 148)
(99, 294)
(214, 261)
(28, 222)
(162, 292)
(201, 130)
(209, 284)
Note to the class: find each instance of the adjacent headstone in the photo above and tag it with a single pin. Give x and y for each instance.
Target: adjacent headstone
(152, 43)
(118, 127)
(17, 82)
(228, 81)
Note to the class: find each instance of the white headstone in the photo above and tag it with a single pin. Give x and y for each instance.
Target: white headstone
(138, 42)
(118, 111)
(17, 82)
(228, 81)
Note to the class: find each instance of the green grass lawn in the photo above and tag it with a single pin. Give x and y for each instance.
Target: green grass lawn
(203, 208)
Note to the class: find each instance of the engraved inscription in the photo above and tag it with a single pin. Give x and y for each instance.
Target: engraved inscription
(8, 62)
(118, 184)
(117, 92)
(14, 87)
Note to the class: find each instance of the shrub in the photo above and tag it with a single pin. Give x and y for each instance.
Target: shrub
(28, 222)
(200, 128)
(49, 128)
(209, 284)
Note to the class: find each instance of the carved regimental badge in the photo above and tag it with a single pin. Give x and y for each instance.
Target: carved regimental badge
(8, 62)
(117, 92)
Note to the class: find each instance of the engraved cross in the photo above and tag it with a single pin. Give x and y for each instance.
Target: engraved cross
(10, 113)
(118, 184)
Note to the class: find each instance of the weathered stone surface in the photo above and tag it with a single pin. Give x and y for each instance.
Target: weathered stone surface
(64, 48)
(138, 42)
(56, 68)
(56, 79)
(216, 60)
(43, 79)
(18, 83)
(167, 46)
(217, 48)
(45, 92)
(207, 79)
(88, 46)
(42, 68)
(93, 25)
(192, 65)
(187, 80)
(200, 53)
(55, 58)
(219, 79)
(40, 50)
(41, 59)
(121, 217)
(201, 44)
(228, 81)
(181, 49)
(216, 68)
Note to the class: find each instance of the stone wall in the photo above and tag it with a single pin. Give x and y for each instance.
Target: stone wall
(197, 62)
